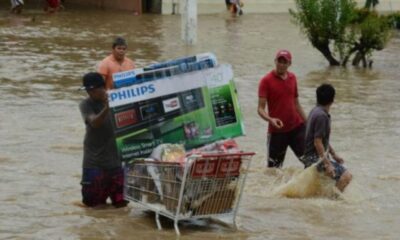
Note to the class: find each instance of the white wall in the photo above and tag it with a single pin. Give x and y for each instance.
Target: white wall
(262, 6)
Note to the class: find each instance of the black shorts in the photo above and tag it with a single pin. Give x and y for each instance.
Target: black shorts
(277, 144)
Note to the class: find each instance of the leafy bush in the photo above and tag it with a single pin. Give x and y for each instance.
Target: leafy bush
(394, 19)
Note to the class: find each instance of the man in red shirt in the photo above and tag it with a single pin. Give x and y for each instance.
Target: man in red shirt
(278, 104)
(52, 6)
(115, 62)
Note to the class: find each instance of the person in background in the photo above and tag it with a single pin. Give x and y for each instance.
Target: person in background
(17, 6)
(318, 149)
(235, 7)
(278, 104)
(115, 62)
(228, 4)
(52, 6)
(102, 176)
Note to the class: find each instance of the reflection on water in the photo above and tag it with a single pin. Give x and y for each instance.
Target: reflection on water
(41, 65)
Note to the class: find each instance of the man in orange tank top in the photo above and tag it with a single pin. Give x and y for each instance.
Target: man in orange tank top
(115, 62)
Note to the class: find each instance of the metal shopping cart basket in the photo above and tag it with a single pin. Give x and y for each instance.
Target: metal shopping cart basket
(205, 186)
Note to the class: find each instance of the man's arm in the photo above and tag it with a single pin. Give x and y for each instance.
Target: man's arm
(337, 158)
(96, 120)
(300, 109)
(262, 103)
(319, 146)
(102, 68)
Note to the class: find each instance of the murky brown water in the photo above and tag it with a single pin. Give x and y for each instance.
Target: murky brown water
(41, 64)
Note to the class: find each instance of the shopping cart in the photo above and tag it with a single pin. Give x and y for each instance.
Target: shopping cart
(205, 186)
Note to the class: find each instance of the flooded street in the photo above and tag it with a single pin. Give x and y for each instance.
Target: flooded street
(41, 66)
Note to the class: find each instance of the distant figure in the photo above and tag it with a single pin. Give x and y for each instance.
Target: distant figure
(17, 6)
(62, 7)
(115, 62)
(52, 6)
(278, 104)
(102, 173)
(235, 6)
(228, 4)
(318, 148)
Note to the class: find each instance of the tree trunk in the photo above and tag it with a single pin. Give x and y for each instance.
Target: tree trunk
(356, 59)
(324, 49)
(346, 59)
(364, 61)
(360, 56)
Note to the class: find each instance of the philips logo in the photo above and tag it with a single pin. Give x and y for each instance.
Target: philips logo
(130, 93)
(124, 75)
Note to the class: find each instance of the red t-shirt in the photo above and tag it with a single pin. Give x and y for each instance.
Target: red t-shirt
(281, 95)
(53, 3)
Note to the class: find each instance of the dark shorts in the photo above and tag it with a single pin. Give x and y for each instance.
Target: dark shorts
(277, 144)
(339, 169)
(99, 184)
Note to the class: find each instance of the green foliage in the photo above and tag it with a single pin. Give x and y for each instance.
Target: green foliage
(374, 31)
(394, 19)
(323, 20)
(338, 29)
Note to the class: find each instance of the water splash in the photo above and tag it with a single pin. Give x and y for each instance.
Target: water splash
(308, 183)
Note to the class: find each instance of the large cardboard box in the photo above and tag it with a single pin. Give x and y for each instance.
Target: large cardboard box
(193, 109)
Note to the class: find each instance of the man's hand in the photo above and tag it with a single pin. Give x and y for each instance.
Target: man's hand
(338, 159)
(104, 99)
(329, 169)
(276, 123)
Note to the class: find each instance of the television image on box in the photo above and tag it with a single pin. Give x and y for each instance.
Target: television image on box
(191, 130)
(192, 100)
(125, 118)
(171, 104)
(150, 111)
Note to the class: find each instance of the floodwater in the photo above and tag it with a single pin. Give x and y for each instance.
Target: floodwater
(41, 65)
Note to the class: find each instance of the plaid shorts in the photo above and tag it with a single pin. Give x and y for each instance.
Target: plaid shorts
(99, 184)
(310, 160)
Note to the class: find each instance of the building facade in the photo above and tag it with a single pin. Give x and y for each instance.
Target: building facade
(210, 6)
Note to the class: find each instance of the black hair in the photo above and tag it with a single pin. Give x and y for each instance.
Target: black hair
(92, 80)
(325, 94)
(119, 41)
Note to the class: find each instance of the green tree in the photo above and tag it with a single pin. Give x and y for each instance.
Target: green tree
(373, 32)
(339, 30)
(324, 22)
